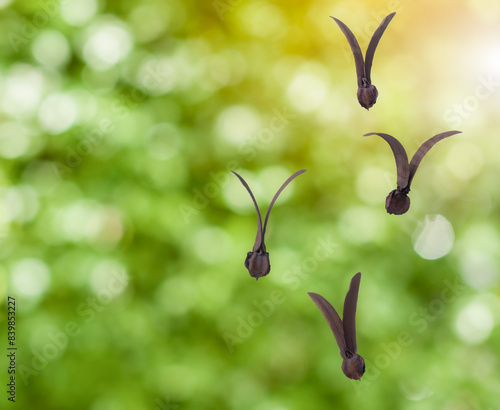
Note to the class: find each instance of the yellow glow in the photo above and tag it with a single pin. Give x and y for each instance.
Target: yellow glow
(262, 19)
(157, 18)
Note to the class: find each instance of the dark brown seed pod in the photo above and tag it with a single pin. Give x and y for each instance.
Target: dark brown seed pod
(367, 92)
(257, 261)
(398, 202)
(344, 331)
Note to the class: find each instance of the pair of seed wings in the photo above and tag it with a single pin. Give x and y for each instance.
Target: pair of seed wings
(364, 67)
(261, 230)
(406, 171)
(344, 331)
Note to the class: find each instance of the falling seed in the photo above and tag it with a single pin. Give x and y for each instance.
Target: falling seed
(344, 331)
(367, 92)
(257, 261)
(398, 202)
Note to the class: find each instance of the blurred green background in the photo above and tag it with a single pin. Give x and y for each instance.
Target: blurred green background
(123, 233)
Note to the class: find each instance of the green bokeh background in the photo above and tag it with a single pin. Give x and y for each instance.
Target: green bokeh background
(123, 233)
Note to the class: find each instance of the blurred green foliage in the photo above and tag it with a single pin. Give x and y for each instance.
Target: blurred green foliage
(123, 233)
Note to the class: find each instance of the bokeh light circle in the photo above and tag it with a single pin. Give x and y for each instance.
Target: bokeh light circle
(51, 48)
(434, 237)
(474, 323)
(30, 277)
